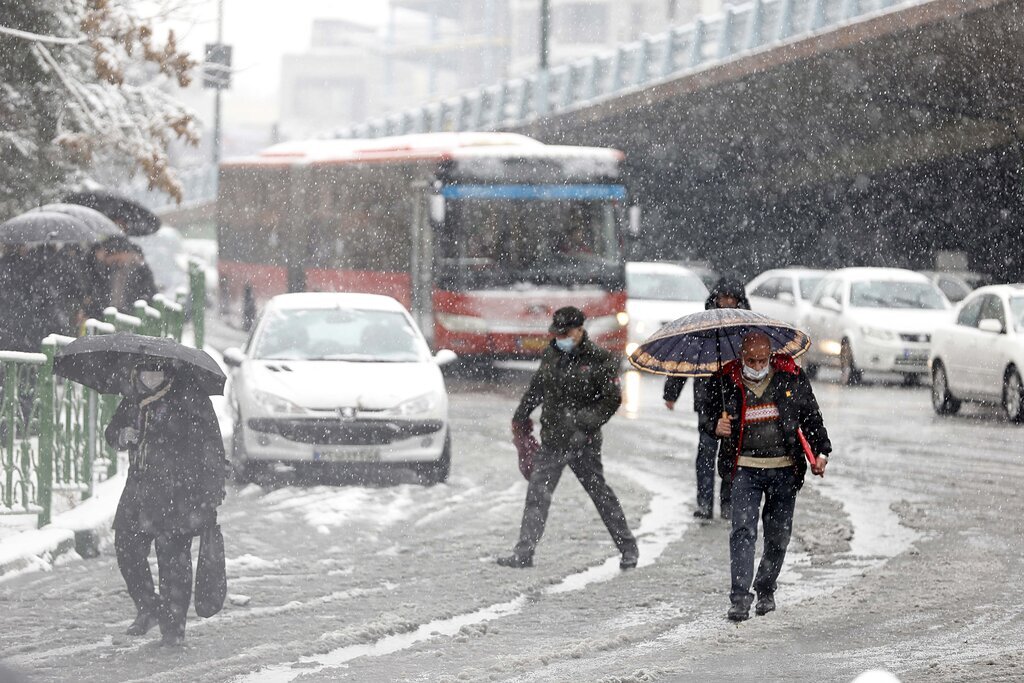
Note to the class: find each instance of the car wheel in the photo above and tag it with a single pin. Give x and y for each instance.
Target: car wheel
(850, 373)
(437, 472)
(1013, 396)
(243, 470)
(942, 400)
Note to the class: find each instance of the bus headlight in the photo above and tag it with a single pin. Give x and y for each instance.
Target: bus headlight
(462, 323)
(623, 318)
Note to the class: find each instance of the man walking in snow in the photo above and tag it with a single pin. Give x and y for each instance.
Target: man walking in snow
(578, 386)
(727, 293)
(766, 399)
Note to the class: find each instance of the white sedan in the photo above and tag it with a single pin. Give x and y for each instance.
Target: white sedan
(658, 293)
(878, 319)
(785, 293)
(980, 356)
(331, 380)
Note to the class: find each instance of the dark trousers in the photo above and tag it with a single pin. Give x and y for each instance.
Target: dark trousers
(707, 454)
(174, 562)
(777, 486)
(547, 470)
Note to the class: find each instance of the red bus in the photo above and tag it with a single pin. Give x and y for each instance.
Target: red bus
(480, 235)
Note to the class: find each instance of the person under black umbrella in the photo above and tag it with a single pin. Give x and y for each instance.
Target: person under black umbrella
(726, 293)
(177, 467)
(117, 275)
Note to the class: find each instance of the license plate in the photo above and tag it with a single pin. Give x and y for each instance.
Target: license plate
(534, 343)
(348, 455)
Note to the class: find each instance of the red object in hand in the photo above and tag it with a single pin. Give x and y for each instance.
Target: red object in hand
(526, 445)
(811, 458)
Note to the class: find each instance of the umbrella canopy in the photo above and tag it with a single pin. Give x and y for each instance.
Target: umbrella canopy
(134, 219)
(37, 227)
(699, 344)
(97, 222)
(104, 362)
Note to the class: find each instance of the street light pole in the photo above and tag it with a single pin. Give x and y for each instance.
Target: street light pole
(216, 96)
(545, 27)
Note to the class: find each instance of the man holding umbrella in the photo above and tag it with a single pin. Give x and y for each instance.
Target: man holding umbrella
(768, 420)
(578, 386)
(176, 462)
(766, 403)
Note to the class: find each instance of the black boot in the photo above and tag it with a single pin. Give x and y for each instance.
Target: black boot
(144, 621)
(630, 556)
(765, 604)
(515, 561)
(739, 611)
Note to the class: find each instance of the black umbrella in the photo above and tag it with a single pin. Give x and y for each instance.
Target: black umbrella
(104, 362)
(134, 219)
(100, 224)
(699, 344)
(45, 226)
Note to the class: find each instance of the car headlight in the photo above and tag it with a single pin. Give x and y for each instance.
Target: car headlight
(461, 323)
(415, 406)
(623, 318)
(878, 333)
(276, 405)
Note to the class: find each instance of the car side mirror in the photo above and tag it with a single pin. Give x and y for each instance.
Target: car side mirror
(233, 357)
(787, 298)
(990, 325)
(829, 303)
(445, 357)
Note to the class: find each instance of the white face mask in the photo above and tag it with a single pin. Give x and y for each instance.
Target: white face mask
(151, 379)
(755, 375)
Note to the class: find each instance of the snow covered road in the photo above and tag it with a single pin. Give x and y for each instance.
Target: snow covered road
(902, 558)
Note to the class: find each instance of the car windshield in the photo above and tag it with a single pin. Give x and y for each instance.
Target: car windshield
(895, 294)
(808, 284)
(1017, 312)
(357, 335)
(665, 286)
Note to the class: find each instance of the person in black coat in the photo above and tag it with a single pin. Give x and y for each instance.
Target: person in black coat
(175, 483)
(727, 293)
(117, 276)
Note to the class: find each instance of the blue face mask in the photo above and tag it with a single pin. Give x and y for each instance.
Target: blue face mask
(565, 345)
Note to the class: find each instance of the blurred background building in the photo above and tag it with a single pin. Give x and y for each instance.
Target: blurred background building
(431, 49)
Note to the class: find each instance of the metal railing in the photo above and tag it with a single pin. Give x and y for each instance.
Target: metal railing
(743, 29)
(51, 429)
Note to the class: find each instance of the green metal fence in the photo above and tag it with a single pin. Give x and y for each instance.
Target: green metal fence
(51, 430)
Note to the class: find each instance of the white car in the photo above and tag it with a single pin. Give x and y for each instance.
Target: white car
(331, 380)
(658, 293)
(877, 319)
(980, 355)
(784, 294)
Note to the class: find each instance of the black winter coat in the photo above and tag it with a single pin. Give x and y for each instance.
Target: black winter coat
(798, 408)
(177, 469)
(579, 392)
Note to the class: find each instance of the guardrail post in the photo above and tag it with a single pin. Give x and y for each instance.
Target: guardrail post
(668, 56)
(725, 36)
(642, 67)
(755, 36)
(140, 313)
(785, 20)
(697, 46)
(10, 412)
(540, 92)
(498, 105)
(615, 82)
(197, 300)
(46, 401)
(589, 89)
(817, 15)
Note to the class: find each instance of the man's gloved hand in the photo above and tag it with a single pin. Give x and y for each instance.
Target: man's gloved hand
(128, 436)
(526, 445)
(578, 440)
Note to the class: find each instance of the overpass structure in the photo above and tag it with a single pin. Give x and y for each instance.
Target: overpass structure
(827, 132)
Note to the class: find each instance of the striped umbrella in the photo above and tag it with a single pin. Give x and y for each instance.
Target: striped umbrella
(699, 344)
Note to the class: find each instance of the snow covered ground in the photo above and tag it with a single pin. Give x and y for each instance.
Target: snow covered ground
(904, 558)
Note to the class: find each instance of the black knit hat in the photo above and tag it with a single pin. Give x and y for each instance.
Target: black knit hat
(565, 319)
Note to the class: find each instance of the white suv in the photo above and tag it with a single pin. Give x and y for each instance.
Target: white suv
(876, 319)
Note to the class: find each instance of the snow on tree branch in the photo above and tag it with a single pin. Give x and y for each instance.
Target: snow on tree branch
(86, 83)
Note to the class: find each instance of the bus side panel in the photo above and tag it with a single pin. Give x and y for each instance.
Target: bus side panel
(396, 285)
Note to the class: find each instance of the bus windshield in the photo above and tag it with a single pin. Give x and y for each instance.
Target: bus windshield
(502, 243)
